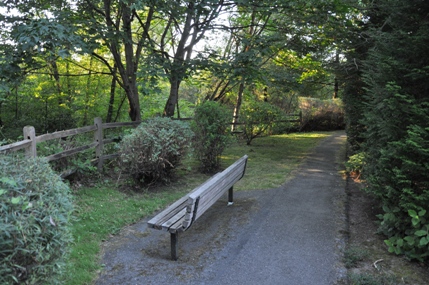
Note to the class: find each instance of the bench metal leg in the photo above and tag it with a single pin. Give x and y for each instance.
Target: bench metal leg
(230, 196)
(174, 238)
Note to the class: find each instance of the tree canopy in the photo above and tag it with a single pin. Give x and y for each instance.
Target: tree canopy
(148, 47)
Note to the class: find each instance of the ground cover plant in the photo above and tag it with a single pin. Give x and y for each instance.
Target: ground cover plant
(104, 208)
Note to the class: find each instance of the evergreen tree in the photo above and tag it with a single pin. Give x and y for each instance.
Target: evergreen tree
(396, 120)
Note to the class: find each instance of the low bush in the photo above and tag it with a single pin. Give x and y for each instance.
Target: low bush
(35, 209)
(258, 117)
(154, 149)
(355, 164)
(211, 127)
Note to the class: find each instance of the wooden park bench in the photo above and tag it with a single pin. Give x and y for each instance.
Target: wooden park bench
(179, 216)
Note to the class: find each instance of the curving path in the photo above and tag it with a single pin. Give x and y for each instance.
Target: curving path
(288, 235)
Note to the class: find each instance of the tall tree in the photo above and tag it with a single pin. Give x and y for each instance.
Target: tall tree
(114, 25)
(186, 26)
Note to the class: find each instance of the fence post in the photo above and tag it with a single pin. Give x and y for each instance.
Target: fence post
(98, 137)
(30, 134)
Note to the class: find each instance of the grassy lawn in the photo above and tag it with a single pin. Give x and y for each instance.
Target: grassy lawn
(102, 210)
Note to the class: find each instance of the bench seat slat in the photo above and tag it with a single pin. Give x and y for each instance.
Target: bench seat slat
(173, 220)
(157, 221)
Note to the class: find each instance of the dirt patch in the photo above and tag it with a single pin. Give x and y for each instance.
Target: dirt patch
(366, 255)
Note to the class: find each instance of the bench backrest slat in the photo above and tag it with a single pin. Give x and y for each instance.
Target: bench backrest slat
(208, 193)
(180, 215)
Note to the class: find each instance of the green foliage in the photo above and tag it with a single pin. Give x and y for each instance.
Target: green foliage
(396, 165)
(35, 206)
(355, 163)
(154, 149)
(258, 117)
(390, 121)
(415, 243)
(80, 164)
(321, 115)
(211, 128)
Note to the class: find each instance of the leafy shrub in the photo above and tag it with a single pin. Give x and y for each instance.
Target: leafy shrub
(78, 164)
(355, 164)
(211, 123)
(321, 115)
(154, 149)
(35, 208)
(415, 242)
(258, 118)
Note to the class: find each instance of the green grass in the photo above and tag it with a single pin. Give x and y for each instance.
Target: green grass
(103, 210)
(353, 255)
(271, 159)
(373, 279)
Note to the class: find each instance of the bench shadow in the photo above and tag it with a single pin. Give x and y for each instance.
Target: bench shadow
(142, 254)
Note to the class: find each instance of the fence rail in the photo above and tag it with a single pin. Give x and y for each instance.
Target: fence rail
(29, 144)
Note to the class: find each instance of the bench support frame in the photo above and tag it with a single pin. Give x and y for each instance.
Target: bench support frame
(230, 196)
(174, 240)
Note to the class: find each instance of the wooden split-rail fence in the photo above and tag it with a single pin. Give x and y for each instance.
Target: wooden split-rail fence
(29, 144)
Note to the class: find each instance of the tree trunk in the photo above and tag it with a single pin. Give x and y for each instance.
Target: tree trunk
(87, 93)
(134, 102)
(130, 80)
(336, 87)
(112, 97)
(1, 121)
(172, 101)
(127, 71)
(238, 105)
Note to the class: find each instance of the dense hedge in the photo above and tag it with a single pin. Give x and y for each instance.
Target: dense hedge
(154, 149)
(394, 115)
(35, 209)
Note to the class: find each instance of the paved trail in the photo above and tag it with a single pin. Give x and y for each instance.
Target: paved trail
(288, 235)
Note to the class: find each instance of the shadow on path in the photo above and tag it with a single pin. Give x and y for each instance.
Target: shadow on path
(288, 235)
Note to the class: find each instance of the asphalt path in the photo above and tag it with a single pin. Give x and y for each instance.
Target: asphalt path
(293, 234)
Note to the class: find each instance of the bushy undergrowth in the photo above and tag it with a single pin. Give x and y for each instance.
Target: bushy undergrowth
(154, 149)
(258, 118)
(211, 127)
(321, 115)
(35, 208)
